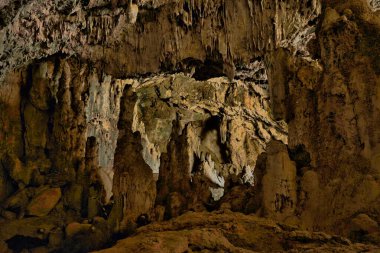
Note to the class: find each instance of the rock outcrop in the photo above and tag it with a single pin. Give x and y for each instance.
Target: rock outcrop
(330, 104)
(196, 135)
(134, 186)
(279, 183)
(231, 232)
(202, 136)
(167, 35)
(115, 114)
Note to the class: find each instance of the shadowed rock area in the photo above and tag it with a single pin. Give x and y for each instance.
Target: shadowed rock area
(189, 126)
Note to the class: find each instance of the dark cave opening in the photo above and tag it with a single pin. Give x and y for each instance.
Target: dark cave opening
(209, 69)
(213, 123)
(19, 243)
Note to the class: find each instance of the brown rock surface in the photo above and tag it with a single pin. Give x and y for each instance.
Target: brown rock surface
(76, 228)
(279, 183)
(167, 34)
(224, 124)
(134, 187)
(330, 104)
(230, 232)
(100, 98)
(364, 223)
(44, 202)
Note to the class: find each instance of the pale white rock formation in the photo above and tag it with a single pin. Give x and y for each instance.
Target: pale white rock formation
(227, 125)
(133, 11)
(374, 4)
(102, 115)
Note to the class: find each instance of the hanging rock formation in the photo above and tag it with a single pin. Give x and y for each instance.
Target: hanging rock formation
(221, 125)
(115, 114)
(167, 35)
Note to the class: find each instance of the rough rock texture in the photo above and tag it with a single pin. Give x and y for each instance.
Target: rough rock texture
(134, 186)
(93, 107)
(196, 135)
(279, 192)
(102, 115)
(44, 202)
(331, 105)
(216, 129)
(67, 116)
(50, 167)
(231, 232)
(185, 33)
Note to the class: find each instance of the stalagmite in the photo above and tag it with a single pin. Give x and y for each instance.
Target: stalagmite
(189, 126)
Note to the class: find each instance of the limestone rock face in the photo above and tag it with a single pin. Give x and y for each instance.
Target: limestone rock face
(49, 158)
(330, 103)
(202, 136)
(167, 34)
(195, 134)
(116, 113)
(198, 135)
(279, 183)
(134, 186)
(43, 202)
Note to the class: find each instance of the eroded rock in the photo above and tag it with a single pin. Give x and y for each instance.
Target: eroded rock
(201, 132)
(330, 104)
(231, 232)
(200, 31)
(279, 183)
(44, 202)
(364, 223)
(76, 228)
(134, 186)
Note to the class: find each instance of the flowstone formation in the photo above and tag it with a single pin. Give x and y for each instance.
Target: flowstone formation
(189, 126)
(200, 138)
(80, 143)
(331, 107)
(168, 35)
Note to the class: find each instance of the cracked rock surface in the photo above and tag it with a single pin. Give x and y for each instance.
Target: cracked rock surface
(231, 232)
(189, 125)
(67, 130)
(184, 32)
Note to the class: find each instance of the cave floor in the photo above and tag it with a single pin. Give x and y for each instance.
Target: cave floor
(227, 231)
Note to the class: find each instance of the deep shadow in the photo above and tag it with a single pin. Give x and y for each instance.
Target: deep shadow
(18, 243)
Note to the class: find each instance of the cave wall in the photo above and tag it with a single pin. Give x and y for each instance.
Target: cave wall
(183, 32)
(54, 152)
(66, 124)
(63, 72)
(197, 138)
(330, 104)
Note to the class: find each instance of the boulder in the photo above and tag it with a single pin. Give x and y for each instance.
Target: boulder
(17, 170)
(4, 247)
(8, 215)
(44, 202)
(19, 200)
(76, 228)
(364, 223)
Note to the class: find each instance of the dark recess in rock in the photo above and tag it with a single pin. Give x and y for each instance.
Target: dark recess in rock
(189, 126)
